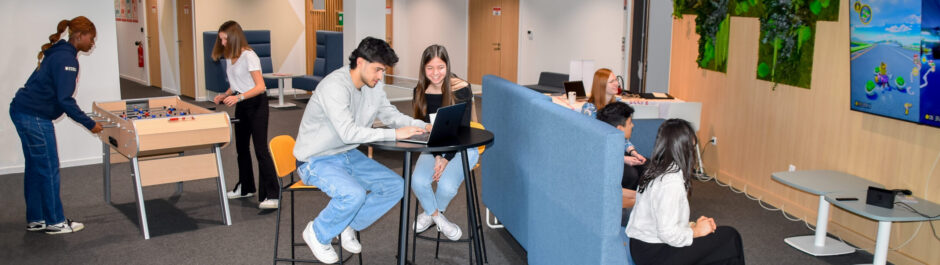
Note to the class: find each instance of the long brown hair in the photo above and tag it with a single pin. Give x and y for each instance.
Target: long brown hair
(673, 151)
(420, 98)
(77, 25)
(236, 42)
(599, 88)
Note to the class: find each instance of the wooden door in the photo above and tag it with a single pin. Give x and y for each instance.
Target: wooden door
(184, 22)
(153, 43)
(388, 38)
(494, 31)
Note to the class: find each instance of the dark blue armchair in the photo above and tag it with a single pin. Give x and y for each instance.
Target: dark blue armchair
(329, 58)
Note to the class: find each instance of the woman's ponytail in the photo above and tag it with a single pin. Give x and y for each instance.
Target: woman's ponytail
(64, 24)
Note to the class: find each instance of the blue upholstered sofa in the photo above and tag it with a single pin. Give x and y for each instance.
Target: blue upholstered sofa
(552, 176)
(260, 42)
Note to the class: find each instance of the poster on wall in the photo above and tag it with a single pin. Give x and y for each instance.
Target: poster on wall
(125, 10)
(893, 47)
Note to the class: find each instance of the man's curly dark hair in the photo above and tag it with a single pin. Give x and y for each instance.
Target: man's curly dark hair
(374, 51)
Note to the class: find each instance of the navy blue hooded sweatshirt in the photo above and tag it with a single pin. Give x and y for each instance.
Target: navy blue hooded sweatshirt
(48, 91)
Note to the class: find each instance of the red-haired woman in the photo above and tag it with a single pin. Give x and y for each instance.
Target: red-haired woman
(243, 70)
(604, 90)
(45, 97)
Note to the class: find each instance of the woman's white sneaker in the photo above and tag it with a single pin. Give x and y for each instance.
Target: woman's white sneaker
(64, 227)
(423, 222)
(324, 253)
(36, 226)
(237, 193)
(450, 230)
(269, 204)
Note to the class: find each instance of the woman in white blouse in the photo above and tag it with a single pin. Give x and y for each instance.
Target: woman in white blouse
(659, 228)
(246, 93)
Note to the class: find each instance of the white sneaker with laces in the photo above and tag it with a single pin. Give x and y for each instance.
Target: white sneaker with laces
(423, 222)
(450, 230)
(324, 253)
(237, 193)
(349, 241)
(269, 204)
(64, 227)
(36, 226)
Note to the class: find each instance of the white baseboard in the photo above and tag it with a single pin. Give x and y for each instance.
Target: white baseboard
(170, 90)
(62, 164)
(135, 79)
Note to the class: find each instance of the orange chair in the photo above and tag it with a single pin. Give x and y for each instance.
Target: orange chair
(282, 152)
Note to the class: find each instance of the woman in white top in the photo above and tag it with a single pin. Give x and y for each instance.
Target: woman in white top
(246, 92)
(659, 228)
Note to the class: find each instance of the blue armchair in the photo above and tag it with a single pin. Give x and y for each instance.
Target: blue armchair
(260, 42)
(329, 58)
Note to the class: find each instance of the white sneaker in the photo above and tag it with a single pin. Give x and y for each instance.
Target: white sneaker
(36, 226)
(64, 227)
(268, 204)
(349, 241)
(237, 193)
(423, 222)
(450, 230)
(324, 253)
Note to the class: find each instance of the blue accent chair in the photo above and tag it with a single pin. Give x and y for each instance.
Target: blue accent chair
(329, 58)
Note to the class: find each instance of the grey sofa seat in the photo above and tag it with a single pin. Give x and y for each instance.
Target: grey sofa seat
(550, 82)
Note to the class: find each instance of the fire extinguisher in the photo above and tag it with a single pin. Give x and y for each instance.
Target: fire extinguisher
(140, 54)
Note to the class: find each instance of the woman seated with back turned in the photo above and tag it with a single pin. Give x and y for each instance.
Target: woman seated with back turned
(659, 228)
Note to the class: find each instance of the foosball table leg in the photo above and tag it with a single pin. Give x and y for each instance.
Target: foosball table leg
(106, 165)
(226, 217)
(140, 198)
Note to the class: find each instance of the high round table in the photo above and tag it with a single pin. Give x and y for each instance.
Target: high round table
(466, 138)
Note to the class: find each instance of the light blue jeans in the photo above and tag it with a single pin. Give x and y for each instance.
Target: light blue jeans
(447, 185)
(346, 177)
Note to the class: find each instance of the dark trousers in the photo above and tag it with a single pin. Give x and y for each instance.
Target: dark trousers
(41, 176)
(722, 247)
(631, 176)
(252, 127)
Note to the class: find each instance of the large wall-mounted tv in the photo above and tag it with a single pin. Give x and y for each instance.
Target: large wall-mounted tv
(894, 45)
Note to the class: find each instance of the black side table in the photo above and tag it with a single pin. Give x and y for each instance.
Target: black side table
(466, 138)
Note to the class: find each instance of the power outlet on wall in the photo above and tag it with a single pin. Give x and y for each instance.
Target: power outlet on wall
(792, 168)
(714, 140)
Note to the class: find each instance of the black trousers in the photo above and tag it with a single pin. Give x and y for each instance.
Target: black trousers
(722, 247)
(252, 127)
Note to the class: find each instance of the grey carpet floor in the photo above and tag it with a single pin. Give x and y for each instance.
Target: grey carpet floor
(186, 228)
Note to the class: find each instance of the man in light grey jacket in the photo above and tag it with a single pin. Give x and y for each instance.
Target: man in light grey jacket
(337, 119)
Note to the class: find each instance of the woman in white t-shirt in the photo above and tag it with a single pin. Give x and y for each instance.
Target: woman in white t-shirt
(659, 228)
(246, 92)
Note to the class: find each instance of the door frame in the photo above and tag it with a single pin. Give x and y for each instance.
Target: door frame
(152, 29)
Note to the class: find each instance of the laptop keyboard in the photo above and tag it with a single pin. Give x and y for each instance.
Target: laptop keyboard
(424, 137)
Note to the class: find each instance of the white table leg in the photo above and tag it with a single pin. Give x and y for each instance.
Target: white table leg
(819, 244)
(280, 96)
(881, 243)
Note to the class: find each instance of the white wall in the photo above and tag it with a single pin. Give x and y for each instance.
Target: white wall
(361, 19)
(421, 23)
(565, 30)
(659, 48)
(127, 34)
(98, 76)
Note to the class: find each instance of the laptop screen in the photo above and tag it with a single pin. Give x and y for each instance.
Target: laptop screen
(577, 87)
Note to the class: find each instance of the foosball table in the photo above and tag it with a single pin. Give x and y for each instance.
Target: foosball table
(153, 133)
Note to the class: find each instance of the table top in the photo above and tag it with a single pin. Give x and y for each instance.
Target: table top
(280, 75)
(821, 182)
(466, 138)
(897, 214)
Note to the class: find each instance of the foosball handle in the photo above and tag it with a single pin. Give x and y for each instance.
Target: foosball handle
(233, 120)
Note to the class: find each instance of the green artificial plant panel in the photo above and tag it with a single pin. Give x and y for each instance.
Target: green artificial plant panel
(788, 31)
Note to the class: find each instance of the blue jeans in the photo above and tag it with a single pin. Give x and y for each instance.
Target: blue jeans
(41, 177)
(447, 185)
(346, 177)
